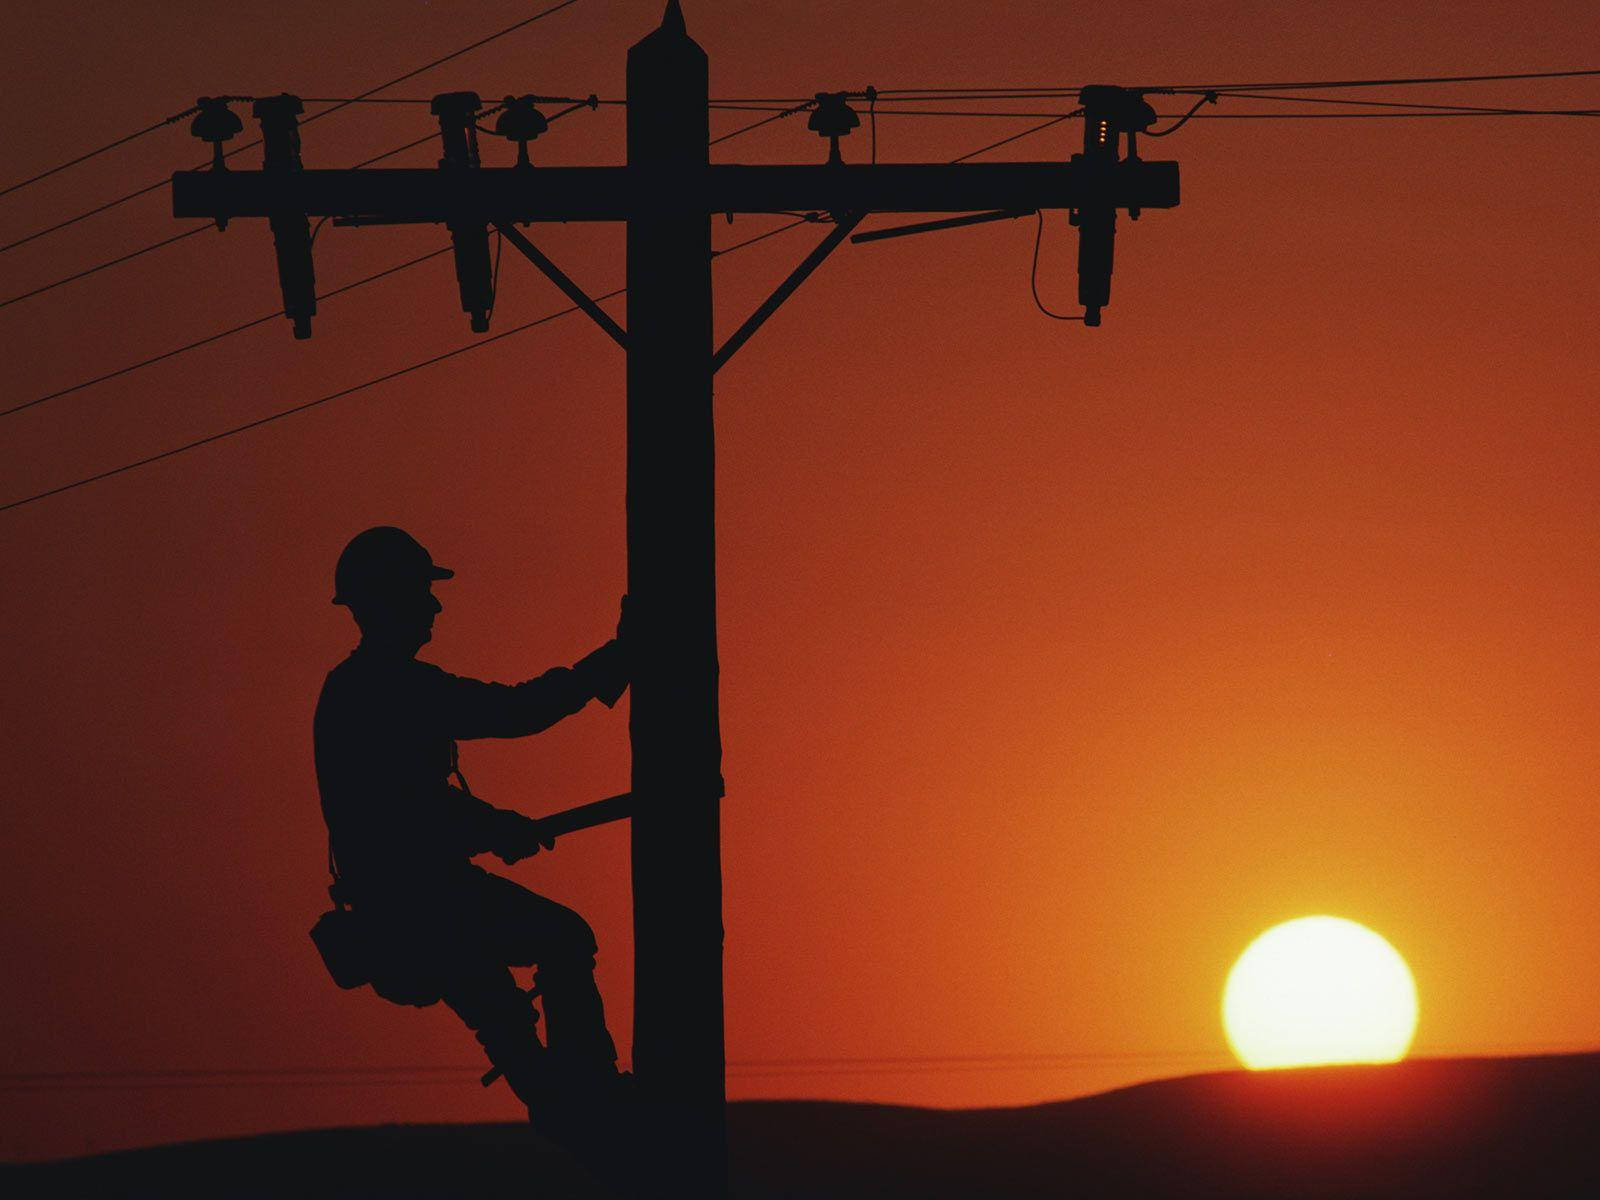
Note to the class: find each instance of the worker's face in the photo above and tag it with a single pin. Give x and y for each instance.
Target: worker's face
(404, 621)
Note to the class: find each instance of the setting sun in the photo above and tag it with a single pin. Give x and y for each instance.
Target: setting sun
(1319, 990)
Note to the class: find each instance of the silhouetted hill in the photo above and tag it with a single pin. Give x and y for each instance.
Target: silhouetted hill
(1445, 1127)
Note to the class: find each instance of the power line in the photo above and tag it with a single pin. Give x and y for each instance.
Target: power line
(351, 390)
(1208, 98)
(251, 324)
(1408, 81)
(410, 1075)
(748, 1063)
(98, 267)
(202, 228)
(368, 98)
(1364, 102)
(454, 54)
(83, 216)
(1443, 111)
(360, 98)
(121, 141)
(215, 337)
(272, 417)
(298, 408)
(428, 1074)
(777, 116)
(1389, 116)
(432, 1076)
(1029, 132)
(1071, 90)
(1033, 277)
(1422, 110)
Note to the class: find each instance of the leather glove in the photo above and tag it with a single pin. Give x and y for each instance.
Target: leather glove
(606, 671)
(520, 837)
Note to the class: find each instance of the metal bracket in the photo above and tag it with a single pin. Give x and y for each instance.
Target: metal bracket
(560, 278)
(845, 222)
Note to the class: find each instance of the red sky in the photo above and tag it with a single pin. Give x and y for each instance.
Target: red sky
(1057, 663)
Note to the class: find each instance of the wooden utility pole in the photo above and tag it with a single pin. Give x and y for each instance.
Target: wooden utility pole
(677, 743)
(666, 195)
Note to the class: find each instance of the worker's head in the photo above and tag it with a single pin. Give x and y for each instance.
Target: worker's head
(385, 578)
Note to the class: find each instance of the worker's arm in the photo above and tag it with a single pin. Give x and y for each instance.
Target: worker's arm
(482, 828)
(470, 708)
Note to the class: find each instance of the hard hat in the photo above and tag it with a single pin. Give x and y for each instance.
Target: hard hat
(380, 560)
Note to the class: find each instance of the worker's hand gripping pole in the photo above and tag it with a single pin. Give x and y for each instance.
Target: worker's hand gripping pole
(291, 233)
(1108, 113)
(469, 233)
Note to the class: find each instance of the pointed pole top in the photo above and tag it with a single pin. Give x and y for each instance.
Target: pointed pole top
(672, 20)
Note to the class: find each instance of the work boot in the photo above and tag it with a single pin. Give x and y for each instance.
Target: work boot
(516, 1053)
(591, 1116)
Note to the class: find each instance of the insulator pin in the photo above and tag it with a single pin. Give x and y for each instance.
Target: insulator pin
(216, 123)
(521, 122)
(833, 118)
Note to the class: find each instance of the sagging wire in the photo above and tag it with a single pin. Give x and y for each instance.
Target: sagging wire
(494, 279)
(121, 141)
(199, 229)
(1033, 280)
(101, 266)
(275, 314)
(351, 390)
(337, 106)
(1208, 98)
(872, 119)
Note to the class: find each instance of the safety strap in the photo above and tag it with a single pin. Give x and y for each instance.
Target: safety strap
(335, 892)
(455, 768)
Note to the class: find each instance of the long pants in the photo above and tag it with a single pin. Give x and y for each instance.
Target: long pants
(473, 932)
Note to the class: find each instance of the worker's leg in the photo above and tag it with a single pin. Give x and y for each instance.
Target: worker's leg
(529, 929)
(487, 999)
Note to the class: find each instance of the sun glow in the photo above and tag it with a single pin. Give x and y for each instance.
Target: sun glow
(1319, 990)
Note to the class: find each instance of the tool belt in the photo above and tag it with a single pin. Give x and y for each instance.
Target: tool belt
(345, 943)
(360, 948)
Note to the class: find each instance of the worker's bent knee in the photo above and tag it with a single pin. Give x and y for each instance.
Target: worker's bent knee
(568, 938)
(579, 939)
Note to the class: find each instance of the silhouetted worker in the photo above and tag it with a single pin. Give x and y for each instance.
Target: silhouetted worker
(401, 833)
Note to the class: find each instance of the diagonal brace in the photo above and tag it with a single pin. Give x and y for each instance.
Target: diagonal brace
(878, 235)
(845, 222)
(560, 278)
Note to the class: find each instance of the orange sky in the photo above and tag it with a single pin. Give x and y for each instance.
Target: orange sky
(1057, 663)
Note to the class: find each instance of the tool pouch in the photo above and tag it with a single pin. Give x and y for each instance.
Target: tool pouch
(341, 937)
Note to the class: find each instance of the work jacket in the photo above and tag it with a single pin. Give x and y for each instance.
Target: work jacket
(385, 738)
